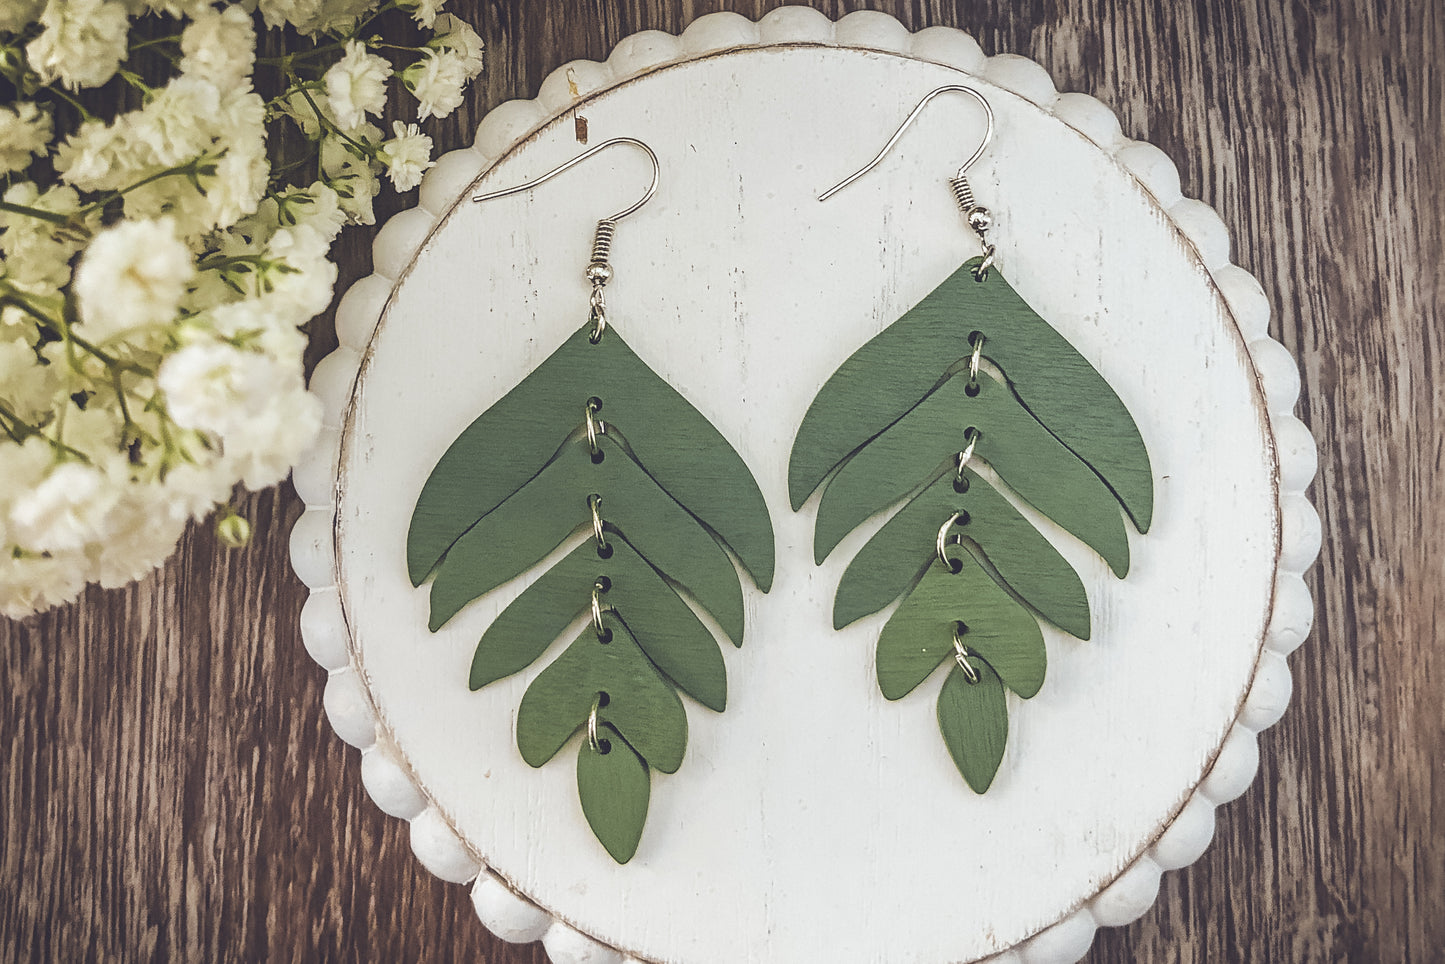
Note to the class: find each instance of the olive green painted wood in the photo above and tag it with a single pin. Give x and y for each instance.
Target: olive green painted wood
(890, 562)
(885, 378)
(521, 531)
(513, 440)
(1036, 465)
(614, 787)
(919, 635)
(663, 625)
(640, 704)
(973, 718)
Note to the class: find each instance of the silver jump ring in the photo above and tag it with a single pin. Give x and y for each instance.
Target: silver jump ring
(598, 609)
(595, 426)
(597, 315)
(592, 739)
(966, 455)
(942, 544)
(961, 653)
(594, 502)
(974, 359)
(981, 272)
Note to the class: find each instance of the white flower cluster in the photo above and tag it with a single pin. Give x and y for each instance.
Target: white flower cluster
(156, 265)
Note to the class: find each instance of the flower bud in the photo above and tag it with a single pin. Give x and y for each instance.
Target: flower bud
(233, 530)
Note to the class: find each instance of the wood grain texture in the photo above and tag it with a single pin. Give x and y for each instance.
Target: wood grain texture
(171, 789)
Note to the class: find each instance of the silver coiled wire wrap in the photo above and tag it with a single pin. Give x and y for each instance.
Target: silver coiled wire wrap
(599, 272)
(963, 194)
(978, 219)
(602, 243)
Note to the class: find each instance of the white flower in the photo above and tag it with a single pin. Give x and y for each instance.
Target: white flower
(295, 296)
(30, 581)
(356, 85)
(36, 255)
(437, 81)
(220, 46)
(299, 108)
(242, 171)
(250, 322)
(97, 156)
(65, 511)
(16, 15)
(455, 34)
(133, 274)
(26, 387)
(406, 156)
(83, 43)
(145, 528)
(257, 407)
(314, 16)
(24, 130)
(425, 12)
(176, 126)
(353, 178)
(317, 207)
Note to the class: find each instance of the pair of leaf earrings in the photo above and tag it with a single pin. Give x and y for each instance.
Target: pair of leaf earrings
(594, 441)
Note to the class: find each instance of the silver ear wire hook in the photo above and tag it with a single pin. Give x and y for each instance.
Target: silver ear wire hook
(979, 218)
(599, 271)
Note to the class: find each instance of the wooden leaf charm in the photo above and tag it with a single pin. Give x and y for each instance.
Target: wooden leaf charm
(907, 417)
(614, 787)
(660, 492)
(973, 718)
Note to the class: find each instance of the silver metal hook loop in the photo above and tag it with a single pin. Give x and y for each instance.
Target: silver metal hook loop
(566, 165)
(975, 357)
(599, 272)
(908, 121)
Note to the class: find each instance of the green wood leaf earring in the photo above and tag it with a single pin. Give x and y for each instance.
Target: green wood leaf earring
(659, 493)
(909, 417)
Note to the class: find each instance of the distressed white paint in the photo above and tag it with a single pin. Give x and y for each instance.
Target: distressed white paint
(794, 830)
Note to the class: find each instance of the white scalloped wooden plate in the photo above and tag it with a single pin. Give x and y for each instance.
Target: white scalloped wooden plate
(814, 820)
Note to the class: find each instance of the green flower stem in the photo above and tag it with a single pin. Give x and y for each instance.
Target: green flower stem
(69, 99)
(387, 7)
(156, 42)
(134, 79)
(366, 150)
(193, 169)
(38, 213)
(378, 45)
(20, 430)
(216, 263)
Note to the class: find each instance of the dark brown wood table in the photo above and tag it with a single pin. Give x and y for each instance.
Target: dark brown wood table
(171, 790)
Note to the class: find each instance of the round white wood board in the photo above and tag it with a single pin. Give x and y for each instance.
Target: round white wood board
(814, 820)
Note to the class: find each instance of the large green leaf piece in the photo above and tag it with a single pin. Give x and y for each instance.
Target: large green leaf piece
(594, 441)
(513, 440)
(881, 381)
(904, 420)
